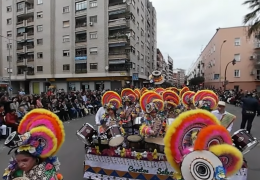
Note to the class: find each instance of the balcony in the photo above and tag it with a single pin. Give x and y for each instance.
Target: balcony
(29, 9)
(82, 57)
(30, 73)
(30, 22)
(80, 71)
(20, 61)
(118, 55)
(117, 39)
(21, 11)
(21, 37)
(116, 6)
(81, 26)
(21, 49)
(81, 13)
(30, 35)
(30, 48)
(20, 24)
(118, 22)
(30, 59)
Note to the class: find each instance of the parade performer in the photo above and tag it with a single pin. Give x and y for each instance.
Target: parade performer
(112, 102)
(187, 100)
(212, 155)
(128, 99)
(205, 99)
(152, 104)
(172, 100)
(40, 135)
(226, 119)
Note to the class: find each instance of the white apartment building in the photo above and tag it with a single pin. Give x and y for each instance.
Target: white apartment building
(77, 44)
(170, 71)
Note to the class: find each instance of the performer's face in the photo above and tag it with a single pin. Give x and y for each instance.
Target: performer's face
(221, 108)
(127, 103)
(25, 163)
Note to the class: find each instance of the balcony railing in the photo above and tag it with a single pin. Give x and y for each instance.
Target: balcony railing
(81, 40)
(20, 61)
(81, 71)
(30, 73)
(30, 59)
(81, 25)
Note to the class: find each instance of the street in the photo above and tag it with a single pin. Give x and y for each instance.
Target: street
(71, 154)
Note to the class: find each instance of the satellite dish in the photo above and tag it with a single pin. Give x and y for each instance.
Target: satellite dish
(106, 68)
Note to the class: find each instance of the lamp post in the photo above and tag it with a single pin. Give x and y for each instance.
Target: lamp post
(225, 82)
(9, 71)
(220, 59)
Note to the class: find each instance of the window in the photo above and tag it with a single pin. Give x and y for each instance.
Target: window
(237, 41)
(237, 73)
(142, 44)
(93, 19)
(39, 1)
(142, 6)
(40, 28)
(133, 2)
(9, 33)
(214, 48)
(20, 6)
(93, 50)
(93, 35)
(142, 19)
(9, 46)
(81, 5)
(39, 41)
(142, 69)
(66, 9)
(66, 53)
(40, 14)
(216, 76)
(66, 24)
(137, 25)
(39, 68)
(142, 32)
(138, 11)
(66, 67)
(39, 55)
(237, 57)
(9, 58)
(142, 57)
(93, 66)
(9, 21)
(9, 8)
(66, 38)
(93, 4)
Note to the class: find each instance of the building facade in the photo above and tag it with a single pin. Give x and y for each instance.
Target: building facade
(77, 44)
(170, 71)
(226, 45)
(179, 77)
(159, 61)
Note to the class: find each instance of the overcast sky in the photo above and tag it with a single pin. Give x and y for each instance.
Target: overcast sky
(186, 26)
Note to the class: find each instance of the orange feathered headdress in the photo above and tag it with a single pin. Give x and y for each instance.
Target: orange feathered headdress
(138, 93)
(151, 97)
(173, 89)
(159, 90)
(128, 95)
(183, 90)
(186, 97)
(171, 96)
(111, 97)
(203, 95)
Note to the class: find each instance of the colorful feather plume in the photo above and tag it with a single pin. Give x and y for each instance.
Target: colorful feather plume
(212, 135)
(186, 97)
(170, 95)
(108, 96)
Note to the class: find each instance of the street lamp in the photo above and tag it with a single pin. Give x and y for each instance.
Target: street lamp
(9, 70)
(225, 82)
(220, 58)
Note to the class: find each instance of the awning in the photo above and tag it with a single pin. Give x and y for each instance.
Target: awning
(81, 58)
(119, 61)
(117, 44)
(117, 12)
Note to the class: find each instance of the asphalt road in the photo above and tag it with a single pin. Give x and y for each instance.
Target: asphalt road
(71, 154)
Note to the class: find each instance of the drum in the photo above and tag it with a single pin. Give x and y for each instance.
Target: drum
(137, 122)
(244, 141)
(149, 144)
(134, 141)
(114, 135)
(160, 144)
(85, 133)
(101, 141)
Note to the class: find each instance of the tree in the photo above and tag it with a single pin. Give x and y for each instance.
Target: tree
(197, 80)
(252, 19)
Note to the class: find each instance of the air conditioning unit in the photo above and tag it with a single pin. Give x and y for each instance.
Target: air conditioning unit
(91, 23)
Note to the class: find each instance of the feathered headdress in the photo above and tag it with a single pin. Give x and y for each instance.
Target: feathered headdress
(211, 150)
(187, 98)
(128, 95)
(171, 98)
(111, 100)
(173, 89)
(138, 93)
(205, 99)
(159, 90)
(40, 133)
(183, 90)
(151, 101)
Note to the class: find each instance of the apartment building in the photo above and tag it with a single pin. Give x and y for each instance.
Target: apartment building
(179, 77)
(77, 44)
(165, 70)
(159, 60)
(226, 45)
(170, 71)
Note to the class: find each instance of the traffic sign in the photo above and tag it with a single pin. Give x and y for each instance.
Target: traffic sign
(135, 77)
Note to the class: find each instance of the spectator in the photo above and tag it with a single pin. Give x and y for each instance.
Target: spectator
(12, 120)
(14, 104)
